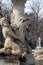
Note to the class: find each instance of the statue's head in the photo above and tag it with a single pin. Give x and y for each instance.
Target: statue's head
(3, 21)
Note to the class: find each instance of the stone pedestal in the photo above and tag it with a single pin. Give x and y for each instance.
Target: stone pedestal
(5, 60)
(39, 62)
(38, 55)
(18, 9)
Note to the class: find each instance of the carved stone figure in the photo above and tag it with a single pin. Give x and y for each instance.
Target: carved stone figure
(6, 29)
(9, 44)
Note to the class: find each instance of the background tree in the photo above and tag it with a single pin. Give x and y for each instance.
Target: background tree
(34, 8)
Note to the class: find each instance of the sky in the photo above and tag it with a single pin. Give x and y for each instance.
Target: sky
(34, 3)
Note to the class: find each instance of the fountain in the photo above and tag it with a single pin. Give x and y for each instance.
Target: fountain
(38, 53)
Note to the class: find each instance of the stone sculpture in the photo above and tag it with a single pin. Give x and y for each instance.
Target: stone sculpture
(9, 44)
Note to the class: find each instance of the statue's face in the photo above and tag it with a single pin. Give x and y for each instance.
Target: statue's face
(3, 21)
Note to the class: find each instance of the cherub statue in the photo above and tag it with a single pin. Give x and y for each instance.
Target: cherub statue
(10, 47)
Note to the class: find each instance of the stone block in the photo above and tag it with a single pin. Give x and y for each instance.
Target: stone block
(6, 61)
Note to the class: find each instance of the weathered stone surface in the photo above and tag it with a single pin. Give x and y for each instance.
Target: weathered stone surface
(30, 59)
(22, 31)
(4, 61)
(38, 54)
(19, 1)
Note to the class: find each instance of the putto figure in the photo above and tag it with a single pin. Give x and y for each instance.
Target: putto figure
(9, 45)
